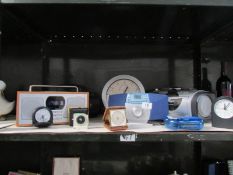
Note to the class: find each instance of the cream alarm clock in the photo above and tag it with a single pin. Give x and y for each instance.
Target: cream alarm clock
(115, 118)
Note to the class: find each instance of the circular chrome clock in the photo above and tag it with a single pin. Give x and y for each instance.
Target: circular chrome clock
(121, 84)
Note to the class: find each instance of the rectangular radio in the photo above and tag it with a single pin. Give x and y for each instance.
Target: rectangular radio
(57, 102)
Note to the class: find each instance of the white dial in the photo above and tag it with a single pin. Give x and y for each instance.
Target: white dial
(121, 84)
(137, 111)
(42, 115)
(224, 108)
(118, 118)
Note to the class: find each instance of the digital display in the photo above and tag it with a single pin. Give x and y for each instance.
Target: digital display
(137, 96)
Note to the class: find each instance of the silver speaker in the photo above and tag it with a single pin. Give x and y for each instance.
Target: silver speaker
(32, 103)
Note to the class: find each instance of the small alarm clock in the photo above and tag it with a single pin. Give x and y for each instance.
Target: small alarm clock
(78, 118)
(115, 118)
(80, 121)
(222, 112)
(42, 117)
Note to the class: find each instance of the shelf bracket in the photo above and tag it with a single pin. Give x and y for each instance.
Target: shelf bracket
(196, 49)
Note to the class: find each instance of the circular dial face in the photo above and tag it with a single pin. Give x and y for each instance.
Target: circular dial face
(121, 84)
(204, 104)
(137, 111)
(224, 108)
(42, 115)
(118, 118)
(80, 119)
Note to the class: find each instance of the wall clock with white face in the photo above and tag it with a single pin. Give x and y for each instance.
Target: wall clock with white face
(121, 84)
(222, 112)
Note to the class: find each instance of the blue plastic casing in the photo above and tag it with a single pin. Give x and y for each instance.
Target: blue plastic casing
(185, 123)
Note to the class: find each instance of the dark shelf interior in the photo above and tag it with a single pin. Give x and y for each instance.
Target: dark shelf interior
(132, 2)
(86, 44)
(116, 23)
(51, 25)
(115, 158)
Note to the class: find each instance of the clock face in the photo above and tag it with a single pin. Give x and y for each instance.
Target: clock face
(224, 108)
(137, 111)
(121, 84)
(42, 115)
(80, 119)
(118, 117)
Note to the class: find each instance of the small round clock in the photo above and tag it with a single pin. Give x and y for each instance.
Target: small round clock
(42, 117)
(121, 84)
(222, 112)
(80, 119)
(118, 118)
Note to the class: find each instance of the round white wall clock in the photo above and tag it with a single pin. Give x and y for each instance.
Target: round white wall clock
(121, 84)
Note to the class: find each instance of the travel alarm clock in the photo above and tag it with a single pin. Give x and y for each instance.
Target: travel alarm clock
(42, 117)
(222, 112)
(121, 84)
(78, 118)
(115, 118)
(118, 117)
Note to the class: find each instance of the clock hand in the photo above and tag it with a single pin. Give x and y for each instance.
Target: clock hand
(227, 105)
(224, 106)
(220, 108)
(126, 89)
